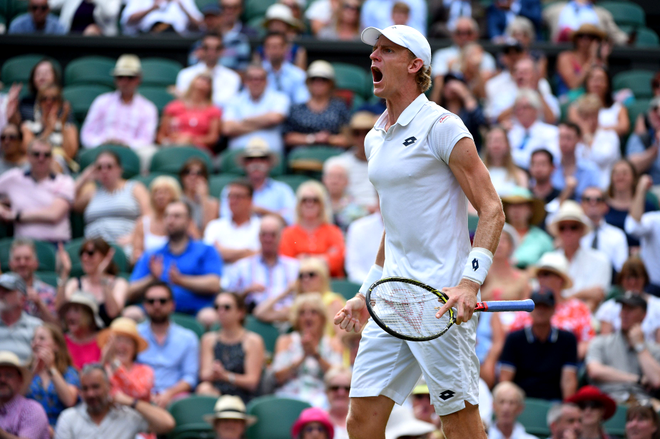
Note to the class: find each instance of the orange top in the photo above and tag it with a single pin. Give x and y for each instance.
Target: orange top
(326, 241)
(136, 382)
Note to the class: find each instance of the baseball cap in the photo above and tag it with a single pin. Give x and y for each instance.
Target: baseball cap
(543, 297)
(632, 299)
(404, 36)
(13, 282)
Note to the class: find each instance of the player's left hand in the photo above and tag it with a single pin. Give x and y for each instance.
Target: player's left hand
(463, 297)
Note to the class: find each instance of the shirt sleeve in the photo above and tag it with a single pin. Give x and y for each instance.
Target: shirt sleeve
(141, 268)
(191, 362)
(91, 133)
(634, 145)
(147, 131)
(642, 228)
(212, 261)
(570, 353)
(444, 135)
(595, 351)
(508, 355)
(63, 428)
(210, 233)
(288, 204)
(34, 422)
(282, 104)
(66, 189)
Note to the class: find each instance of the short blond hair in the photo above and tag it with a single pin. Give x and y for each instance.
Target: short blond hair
(589, 103)
(314, 300)
(204, 75)
(167, 182)
(321, 192)
(317, 265)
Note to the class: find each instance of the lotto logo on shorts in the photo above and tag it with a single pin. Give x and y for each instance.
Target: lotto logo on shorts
(409, 141)
(446, 395)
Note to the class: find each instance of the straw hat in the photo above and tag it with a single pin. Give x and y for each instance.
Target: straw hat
(592, 393)
(312, 415)
(520, 195)
(321, 69)
(589, 29)
(556, 263)
(128, 65)
(362, 120)
(230, 407)
(403, 423)
(281, 12)
(123, 326)
(569, 211)
(8, 358)
(256, 147)
(86, 300)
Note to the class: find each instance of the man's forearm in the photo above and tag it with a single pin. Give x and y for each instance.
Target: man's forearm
(180, 387)
(489, 229)
(204, 284)
(568, 382)
(159, 420)
(650, 368)
(637, 205)
(608, 374)
(136, 288)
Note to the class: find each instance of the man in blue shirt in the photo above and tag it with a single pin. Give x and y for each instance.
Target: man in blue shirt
(191, 268)
(572, 171)
(37, 21)
(173, 351)
(282, 75)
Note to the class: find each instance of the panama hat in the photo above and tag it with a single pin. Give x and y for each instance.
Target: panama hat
(128, 65)
(519, 195)
(362, 120)
(230, 407)
(8, 358)
(123, 326)
(556, 263)
(589, 29)
(321, 69)
(87, 300)
(281, 12)
(256, 147)
(592, 393)
(569, 211)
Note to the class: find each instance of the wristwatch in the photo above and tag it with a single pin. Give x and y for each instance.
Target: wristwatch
(134, 403)
(639, 347)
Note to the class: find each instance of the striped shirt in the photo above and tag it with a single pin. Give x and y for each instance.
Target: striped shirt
(111, 119)
(24, 418)
(112, 215)
(17, 338)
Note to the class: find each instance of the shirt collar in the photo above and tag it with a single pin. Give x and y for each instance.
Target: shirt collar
(407, 115)
(28, 173)
(554, 334)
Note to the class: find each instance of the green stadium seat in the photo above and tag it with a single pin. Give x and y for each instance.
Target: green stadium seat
(218, 182)
(77, 224)
(639, 81)
(645, 37)
(158, 95)
(275, 416)
(229, 163)
(90, 70)
(256, 8)
(352, 77)
(293, 180)
(188, 322)
(73, 249)
(257, 23)
(18, 7)
(311, 158)
(267, 331)
(188, 414)
(49, 277)
(616, 425)
(344, 287)
(45, 254)
(533, 418)
(625, 12)
(18, 68)
(81, 97)
(130, 161)
(159, 72)
(640, 106)
(170, 160)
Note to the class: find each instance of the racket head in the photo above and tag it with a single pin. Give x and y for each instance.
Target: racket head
(406, 309)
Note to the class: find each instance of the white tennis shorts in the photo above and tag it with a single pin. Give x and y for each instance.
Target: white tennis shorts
(386, 365)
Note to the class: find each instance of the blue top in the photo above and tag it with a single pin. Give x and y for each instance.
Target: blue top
(23, 24)
(637, 145)
(289, 80)
(586, 173)
(196, 260)
(274, 195)
(175, 360)
(48, 397)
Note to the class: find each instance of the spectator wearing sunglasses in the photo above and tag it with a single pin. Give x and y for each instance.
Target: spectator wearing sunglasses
(38, 20)
(338, 385)
(232, 358)
(194, 178)
(313, 423)
(44, 215)
(173, 351)
(596, 408)
(12, 153)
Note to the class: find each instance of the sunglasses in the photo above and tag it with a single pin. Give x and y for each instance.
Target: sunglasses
(270, 234)
(319, 79)
(214, 48)
(314, 200)
(39, 8)
(590, 404)
(335, 388)
(313, 428)
(128, 78)
(224, 307)
(41, 154)
(255, 78)
(49, 98)
(87, 252)
(9, 137)
(104, 167)
(572, 228)
(162, 301)
(307, 275)
(463, 33)
(352, 7)
(593, 199)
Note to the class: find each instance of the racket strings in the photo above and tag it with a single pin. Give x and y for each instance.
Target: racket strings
(409, 309)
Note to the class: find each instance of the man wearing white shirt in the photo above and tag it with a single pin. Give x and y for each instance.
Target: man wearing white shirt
(646, 227)
(226, 82)
(235, 237)
(256, 112)
(529, 134)
(508, 404)
(362, 241)
(156, 16)
(604, 237)
(355, 160)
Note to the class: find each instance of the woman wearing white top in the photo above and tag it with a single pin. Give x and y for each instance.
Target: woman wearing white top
(496, 155)
(105, 13)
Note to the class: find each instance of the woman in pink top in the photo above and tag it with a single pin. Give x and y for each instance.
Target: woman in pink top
(192, 120)
(80, 314)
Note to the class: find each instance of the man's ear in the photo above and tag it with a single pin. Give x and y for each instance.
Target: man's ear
(415, 65)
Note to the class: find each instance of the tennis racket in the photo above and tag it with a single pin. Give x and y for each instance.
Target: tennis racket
(406, 308)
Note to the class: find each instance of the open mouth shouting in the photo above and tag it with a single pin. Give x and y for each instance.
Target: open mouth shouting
(376, 74)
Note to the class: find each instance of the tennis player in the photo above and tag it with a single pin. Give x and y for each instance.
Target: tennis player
(425, 167)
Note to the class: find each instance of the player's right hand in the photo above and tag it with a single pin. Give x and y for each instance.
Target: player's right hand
(353, 315)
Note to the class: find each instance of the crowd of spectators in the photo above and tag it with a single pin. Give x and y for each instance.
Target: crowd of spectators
(100, 350)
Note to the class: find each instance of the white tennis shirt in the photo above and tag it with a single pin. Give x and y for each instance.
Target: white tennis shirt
(424, 208)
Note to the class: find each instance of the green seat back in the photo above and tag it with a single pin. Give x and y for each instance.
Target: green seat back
(293, 180)
(267, 331)
(229, 163)
(256, 8)
(77, 224)
(193, 431)
(18, 7)
(18, 68)
(81, 97)
(130, 161)
(218, 182)
(616, 425)
(73, 249)
(275, 416)
(640, 106)
(188, 414)
(344, 287)
(188, 322)
(645, 37)
(49, 277)
(257, 23)
(625, 12)
(158, 95)
(159, 72)
(533, 418)
(90, 70)
(352, 77)
(147, 179)
(45, 254)
(318, 154)
(171, 160)
(639, 81)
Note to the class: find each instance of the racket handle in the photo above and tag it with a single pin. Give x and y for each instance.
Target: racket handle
(506, 305)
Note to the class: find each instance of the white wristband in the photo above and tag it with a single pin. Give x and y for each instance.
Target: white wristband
(477, 265)
(375, 274)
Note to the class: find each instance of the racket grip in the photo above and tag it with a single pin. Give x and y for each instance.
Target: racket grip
(506, 305)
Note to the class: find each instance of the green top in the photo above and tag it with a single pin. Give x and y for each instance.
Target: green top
(535, 243)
